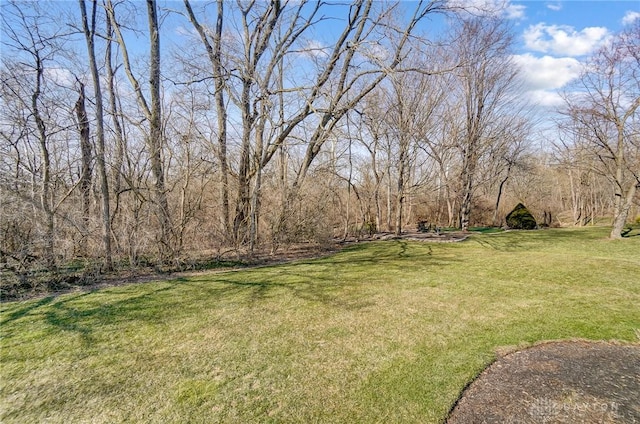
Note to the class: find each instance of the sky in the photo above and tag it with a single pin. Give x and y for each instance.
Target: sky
(555, 37)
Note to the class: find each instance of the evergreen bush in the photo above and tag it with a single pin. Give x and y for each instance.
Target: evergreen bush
(521, 219)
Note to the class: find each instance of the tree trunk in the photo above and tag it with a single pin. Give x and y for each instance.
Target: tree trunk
(120, 147)
(468, 168)
(221, 112)
(376, 193)
(117, 166)
(49, 256)
(214, 51)
(155, 139)
(257, 188)
(349, 183)
(255, 211)
(620, 219)
(498, 198)
(85, 176)
(89, 33)
(378, 210)
(243, 194)
(389, 208)
(400, 188)
(153, 114)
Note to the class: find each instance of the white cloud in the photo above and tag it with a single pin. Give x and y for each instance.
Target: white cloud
(61, 76)
(546, 98)
(490, 7)
(554, 6)
(564, 40)
(547, 73)
(630, 17)
(514, 11)
(543, 76)
(375, 52)
(315, 49)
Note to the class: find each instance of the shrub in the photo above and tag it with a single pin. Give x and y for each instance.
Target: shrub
(521, 219)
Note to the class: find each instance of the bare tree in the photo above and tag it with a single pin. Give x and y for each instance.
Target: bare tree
(89, 30)
(487, 78)
(575, 159)
(439, 145)
(338, 89)
(87, 159)
(414, 100)
(268, 35)
(212, 41)
(605, 110)
(374, 137)
(502, 159)
(265, 38)
(405, 110)
(113, 110)
(152, 109)
(35, 44)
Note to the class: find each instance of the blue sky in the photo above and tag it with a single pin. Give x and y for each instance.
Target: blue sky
(555, 37)
(579, 14)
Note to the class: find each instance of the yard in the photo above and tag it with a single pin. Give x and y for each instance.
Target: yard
(387, 331)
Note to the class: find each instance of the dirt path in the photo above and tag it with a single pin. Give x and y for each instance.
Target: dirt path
(558, 382)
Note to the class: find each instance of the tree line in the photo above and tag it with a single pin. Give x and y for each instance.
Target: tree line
(261, 124)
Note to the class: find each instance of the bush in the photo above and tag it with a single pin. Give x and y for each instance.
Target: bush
(521, 219)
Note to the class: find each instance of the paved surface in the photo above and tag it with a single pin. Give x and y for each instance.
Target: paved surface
(559, 382)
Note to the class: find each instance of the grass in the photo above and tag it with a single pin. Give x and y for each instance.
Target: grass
(486, 230)
(381, 332)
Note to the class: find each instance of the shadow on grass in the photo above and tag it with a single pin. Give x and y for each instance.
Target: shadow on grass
(525, 240)
(84, 313)
(393, 252)
(338, 281)
(26, 310)
(486, 230)
(256, 293)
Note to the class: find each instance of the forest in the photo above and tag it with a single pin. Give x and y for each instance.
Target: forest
(153, 133)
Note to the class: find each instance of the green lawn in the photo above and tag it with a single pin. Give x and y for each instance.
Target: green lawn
(381, 332)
